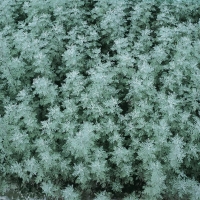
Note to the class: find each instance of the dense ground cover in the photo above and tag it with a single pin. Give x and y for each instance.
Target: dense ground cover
(100, 98)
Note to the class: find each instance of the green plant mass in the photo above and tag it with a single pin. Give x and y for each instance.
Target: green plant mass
(100, 99)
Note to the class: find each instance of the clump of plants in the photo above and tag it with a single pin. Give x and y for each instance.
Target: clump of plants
(100, 99)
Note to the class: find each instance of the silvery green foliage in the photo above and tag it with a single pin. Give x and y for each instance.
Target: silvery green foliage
(102, 196)
(69, 193)
(131, 196)
(100, 98)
